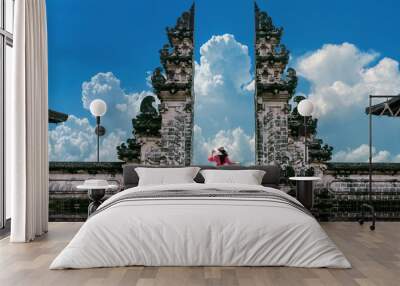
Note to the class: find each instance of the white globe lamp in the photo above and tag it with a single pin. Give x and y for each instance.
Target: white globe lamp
(305, 107)
(98, 108)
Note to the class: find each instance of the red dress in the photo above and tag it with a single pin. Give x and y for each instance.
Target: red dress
(217, 160)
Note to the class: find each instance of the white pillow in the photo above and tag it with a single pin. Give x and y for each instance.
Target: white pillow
(248, 177)
(166, 176)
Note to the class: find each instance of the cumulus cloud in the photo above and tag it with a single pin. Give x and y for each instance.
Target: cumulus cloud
(238, 144)
(224, 66)
(74, 140)
(224, 89)
(121, 105)
(361, 154)
(224, 71)
(342, 76)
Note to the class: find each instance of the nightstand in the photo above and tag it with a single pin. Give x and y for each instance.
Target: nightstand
(96, 191)
(304, 190)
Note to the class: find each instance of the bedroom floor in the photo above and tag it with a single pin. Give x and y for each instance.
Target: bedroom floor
(375, 257)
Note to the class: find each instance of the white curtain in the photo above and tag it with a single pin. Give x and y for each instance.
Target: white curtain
(27, 122)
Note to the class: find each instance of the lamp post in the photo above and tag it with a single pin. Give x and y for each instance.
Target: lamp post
(305, 108)
(98, 108)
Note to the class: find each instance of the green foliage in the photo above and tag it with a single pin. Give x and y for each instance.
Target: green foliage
(129, 152)
(289, 172)
(291, 80)
(296, 122)
(318, 151)
(147, 123)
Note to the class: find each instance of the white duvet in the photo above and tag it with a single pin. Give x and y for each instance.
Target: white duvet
(192, 231)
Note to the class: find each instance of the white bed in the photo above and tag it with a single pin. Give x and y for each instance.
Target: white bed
(207, 230)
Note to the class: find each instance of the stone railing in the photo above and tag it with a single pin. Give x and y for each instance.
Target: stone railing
(338, 196)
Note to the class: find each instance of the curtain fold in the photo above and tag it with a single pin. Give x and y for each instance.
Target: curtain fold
(27, 123)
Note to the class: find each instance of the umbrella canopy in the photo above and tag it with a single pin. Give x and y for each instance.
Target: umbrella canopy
(388, 108)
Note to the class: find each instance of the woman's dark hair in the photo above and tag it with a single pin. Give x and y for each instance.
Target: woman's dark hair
(223, 155)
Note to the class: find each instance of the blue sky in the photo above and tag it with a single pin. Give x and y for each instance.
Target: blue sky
(123, 37)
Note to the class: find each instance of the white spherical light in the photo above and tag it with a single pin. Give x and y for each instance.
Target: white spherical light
(305, 107)
(98, 107)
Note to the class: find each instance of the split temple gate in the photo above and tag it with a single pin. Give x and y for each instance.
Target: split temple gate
(163, 132)
(164, 135)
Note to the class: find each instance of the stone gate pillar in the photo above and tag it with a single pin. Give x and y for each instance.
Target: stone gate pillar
(272, 129)
(273, 90)
(150, 149)
(173, 84)
(176, 130)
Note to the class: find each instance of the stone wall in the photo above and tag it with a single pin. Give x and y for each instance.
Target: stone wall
(176, 132)
(338, 196)
(173, 85)
(296, 152)
(150, 149)
(272, 133)
(66, 202)
(345, 187)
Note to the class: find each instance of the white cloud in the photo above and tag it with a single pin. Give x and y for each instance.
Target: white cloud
(361, 154)
(251, 87)
(342, 76)
(148, 79)
(74, 140)
(121, 106)
(238, 144)
(224, 66)
(109, 143)
(71, 140)
(224, 89)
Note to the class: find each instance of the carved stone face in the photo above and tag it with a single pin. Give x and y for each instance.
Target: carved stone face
(277, 74)
(165, 48)
(171, 74)
(291, 72)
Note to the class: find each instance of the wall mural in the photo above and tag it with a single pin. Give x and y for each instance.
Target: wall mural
(164, 136)
(222, 75)
(186, 111)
